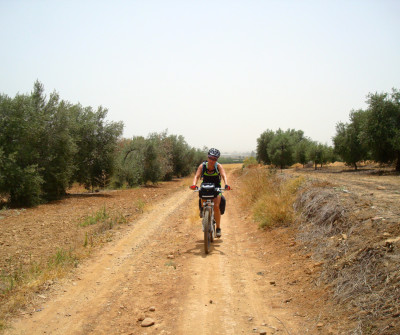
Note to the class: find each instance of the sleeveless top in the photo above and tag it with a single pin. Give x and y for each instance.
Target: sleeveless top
(211, 176)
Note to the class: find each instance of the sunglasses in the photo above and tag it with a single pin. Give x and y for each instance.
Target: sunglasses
(211, 158)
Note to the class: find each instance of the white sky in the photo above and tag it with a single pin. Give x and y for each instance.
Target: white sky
(217, 72)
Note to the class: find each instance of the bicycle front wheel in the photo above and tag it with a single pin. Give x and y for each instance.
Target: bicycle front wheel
(212, 231)
(206, 227)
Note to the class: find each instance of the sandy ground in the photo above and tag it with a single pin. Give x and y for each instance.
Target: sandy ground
(251, 282)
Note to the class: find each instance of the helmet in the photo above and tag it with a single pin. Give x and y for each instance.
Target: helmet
(214, 152)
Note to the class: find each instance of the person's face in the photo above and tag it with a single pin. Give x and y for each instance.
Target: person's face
(212, 160)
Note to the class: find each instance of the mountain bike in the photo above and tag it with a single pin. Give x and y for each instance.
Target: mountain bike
(207, 192)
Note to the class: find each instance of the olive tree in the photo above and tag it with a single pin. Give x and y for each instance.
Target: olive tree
(347, 141)
(381, 131)
(263, 143)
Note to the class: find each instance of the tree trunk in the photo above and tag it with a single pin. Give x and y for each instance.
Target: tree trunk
(355, 166)
(398, 162)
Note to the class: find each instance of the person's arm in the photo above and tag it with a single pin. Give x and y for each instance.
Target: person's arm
(223, 174)
(198, 174)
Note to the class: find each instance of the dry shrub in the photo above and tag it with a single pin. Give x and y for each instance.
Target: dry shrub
(359, 264)
(297, 166)
(369, 283)
(341, 164)
(321, 211)
(269, 195)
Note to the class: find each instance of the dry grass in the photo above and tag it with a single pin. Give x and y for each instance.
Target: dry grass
(233, 166)
(269, 195)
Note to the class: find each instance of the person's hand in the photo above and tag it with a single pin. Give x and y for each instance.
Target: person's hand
(193, 187)
(227, 187)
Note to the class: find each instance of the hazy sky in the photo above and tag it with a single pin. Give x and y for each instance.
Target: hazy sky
(217, 72)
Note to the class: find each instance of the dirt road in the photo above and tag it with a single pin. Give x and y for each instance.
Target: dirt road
(251, 281)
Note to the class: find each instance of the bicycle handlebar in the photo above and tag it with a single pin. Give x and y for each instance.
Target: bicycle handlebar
(218, 189)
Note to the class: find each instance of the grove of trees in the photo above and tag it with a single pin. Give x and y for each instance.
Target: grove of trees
(372, 134)
(47, 144)
(284, 148)
(158, 157)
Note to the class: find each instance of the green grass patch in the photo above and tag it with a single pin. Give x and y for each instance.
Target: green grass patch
(170, 263)
(62, 258)
(105, 218)
(102, 220)
(11, 280)
(140, 205)
(100, 216)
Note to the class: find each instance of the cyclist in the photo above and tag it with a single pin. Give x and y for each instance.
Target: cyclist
(211, 172)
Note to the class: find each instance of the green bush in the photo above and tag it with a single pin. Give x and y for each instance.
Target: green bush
(249, 161)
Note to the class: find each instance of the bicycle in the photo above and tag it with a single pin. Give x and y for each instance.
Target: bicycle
(207, 193)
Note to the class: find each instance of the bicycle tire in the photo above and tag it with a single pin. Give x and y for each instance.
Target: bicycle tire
(206, 226)
(212, 231)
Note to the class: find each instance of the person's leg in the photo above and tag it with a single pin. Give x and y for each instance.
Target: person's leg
(217, 212)
(201, 207)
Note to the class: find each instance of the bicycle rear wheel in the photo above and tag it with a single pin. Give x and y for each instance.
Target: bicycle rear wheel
(206, 227)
